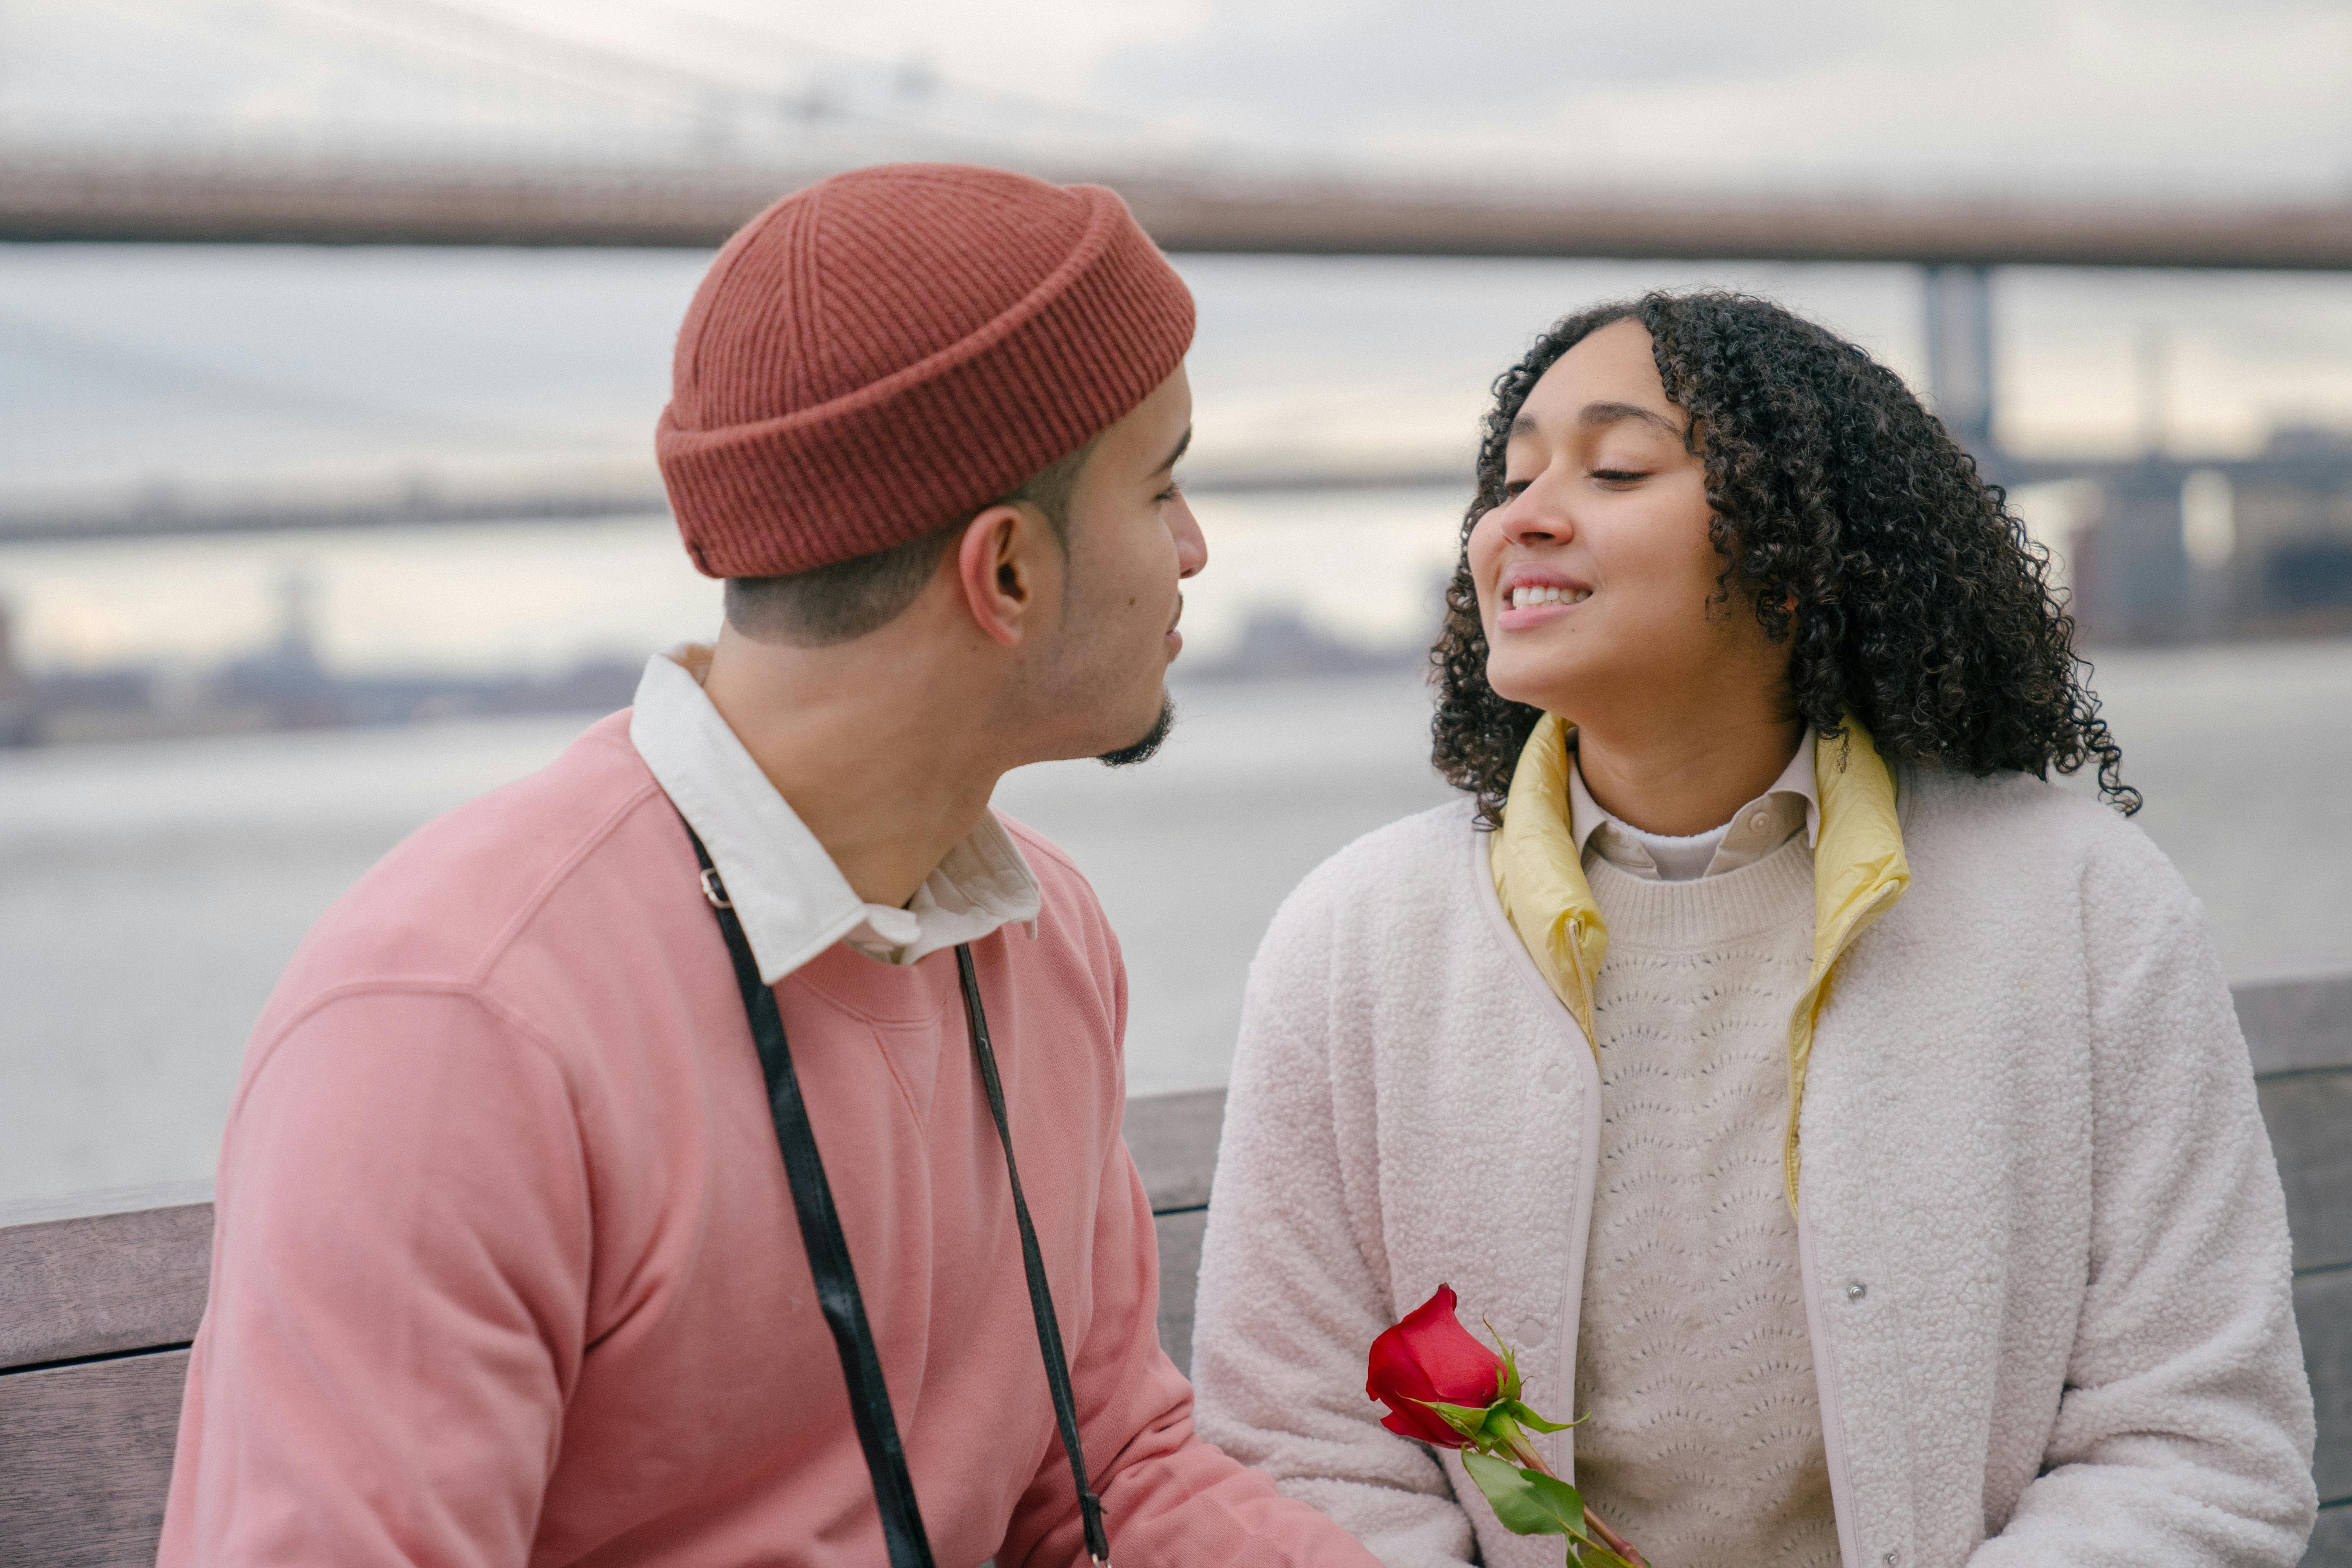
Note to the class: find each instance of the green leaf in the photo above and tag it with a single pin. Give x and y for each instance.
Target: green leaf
(1507, 1388)
(1527, 1417)
(1528, 1503)
(1468, 1420)
(1495, 1429)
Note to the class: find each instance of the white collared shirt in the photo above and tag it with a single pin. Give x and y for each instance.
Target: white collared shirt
(792, 899)
(1755, 830)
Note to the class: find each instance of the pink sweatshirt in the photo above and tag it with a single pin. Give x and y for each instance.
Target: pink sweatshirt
(506, 1268)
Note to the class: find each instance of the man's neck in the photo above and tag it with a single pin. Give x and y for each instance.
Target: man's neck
(878, 757)
(1686, 777)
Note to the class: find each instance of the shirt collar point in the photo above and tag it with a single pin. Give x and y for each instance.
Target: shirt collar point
(792, 899)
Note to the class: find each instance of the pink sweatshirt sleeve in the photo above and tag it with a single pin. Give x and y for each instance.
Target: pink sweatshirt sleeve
(400, 1281)
(1169, 1497)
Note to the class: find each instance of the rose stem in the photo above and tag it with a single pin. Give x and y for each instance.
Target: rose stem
(1609, 1538)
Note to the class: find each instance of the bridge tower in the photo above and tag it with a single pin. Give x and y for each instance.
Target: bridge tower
(1958, 298)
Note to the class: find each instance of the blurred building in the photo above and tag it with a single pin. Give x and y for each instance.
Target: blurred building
(19, 714)
(2173, 551)
(288, 678)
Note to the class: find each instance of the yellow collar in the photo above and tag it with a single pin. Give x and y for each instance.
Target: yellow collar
(1859, 871)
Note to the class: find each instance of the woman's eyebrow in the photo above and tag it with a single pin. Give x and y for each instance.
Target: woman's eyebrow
(1595, 414)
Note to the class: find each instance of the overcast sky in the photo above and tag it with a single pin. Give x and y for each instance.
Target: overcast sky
(1982, 93)
(2246, 96)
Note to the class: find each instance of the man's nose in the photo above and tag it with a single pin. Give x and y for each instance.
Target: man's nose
(1191, 544)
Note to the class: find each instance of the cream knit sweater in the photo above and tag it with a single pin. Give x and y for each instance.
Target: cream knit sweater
(2042, 1240)
(1702, 1434)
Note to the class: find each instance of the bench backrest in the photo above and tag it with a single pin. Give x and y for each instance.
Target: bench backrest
(96, 1312)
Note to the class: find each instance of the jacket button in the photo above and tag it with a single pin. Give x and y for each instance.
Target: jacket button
(1531, 1332)
(1855, 1292)
(1554, 1077)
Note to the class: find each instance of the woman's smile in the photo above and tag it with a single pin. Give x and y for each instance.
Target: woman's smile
(1531, 596)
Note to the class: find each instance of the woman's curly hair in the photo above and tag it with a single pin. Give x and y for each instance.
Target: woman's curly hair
(1855, 527)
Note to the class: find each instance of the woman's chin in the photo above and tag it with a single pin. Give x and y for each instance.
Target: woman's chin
(1553, 691)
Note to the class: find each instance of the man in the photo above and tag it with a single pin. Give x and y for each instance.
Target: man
(506, 1268)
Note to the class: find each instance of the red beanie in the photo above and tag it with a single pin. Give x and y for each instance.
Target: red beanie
(889, 350)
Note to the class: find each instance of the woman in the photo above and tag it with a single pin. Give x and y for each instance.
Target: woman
(1846, 1121)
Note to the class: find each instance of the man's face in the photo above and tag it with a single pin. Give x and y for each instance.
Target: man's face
(1132, 540)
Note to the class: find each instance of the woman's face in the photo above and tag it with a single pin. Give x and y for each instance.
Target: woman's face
(1595, 576)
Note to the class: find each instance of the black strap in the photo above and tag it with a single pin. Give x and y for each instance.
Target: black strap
(837, 1279)
(828, 1249)
(1040, 1296)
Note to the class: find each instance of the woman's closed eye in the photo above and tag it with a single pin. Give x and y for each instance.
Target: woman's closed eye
(1619, 475)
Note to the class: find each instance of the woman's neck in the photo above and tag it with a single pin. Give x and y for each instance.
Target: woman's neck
(1687, 778)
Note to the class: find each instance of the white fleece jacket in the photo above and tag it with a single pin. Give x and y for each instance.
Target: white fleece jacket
(2044, 1245)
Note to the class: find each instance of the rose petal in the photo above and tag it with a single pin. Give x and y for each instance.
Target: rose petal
(1436, 1433)
(1460, 1369)
(1430, 1357)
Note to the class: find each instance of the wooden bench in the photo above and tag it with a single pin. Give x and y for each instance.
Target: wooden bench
(96, 1312)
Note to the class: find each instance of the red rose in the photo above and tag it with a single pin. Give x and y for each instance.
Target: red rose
(1430, 1356)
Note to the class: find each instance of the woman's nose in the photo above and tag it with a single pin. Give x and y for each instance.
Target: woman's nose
(1532, 517)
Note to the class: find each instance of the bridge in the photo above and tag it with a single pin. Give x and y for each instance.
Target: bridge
(53, 197)
(212, 199)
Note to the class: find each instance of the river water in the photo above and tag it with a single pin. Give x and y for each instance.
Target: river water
(150, 892)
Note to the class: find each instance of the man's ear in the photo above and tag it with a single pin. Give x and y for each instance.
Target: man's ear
(997, 569)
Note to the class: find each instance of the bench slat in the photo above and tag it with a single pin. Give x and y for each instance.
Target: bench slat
(89, 1460)
(113, 1282)
(2309, 1115)
(1180, 1275)
(2323, 1313)
(2331, 1543)
(1174, 1138)
(2294, 1025)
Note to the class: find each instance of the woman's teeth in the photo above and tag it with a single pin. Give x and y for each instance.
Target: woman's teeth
(1526, 595)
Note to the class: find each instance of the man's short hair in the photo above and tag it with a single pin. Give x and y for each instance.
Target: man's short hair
(848, 599)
